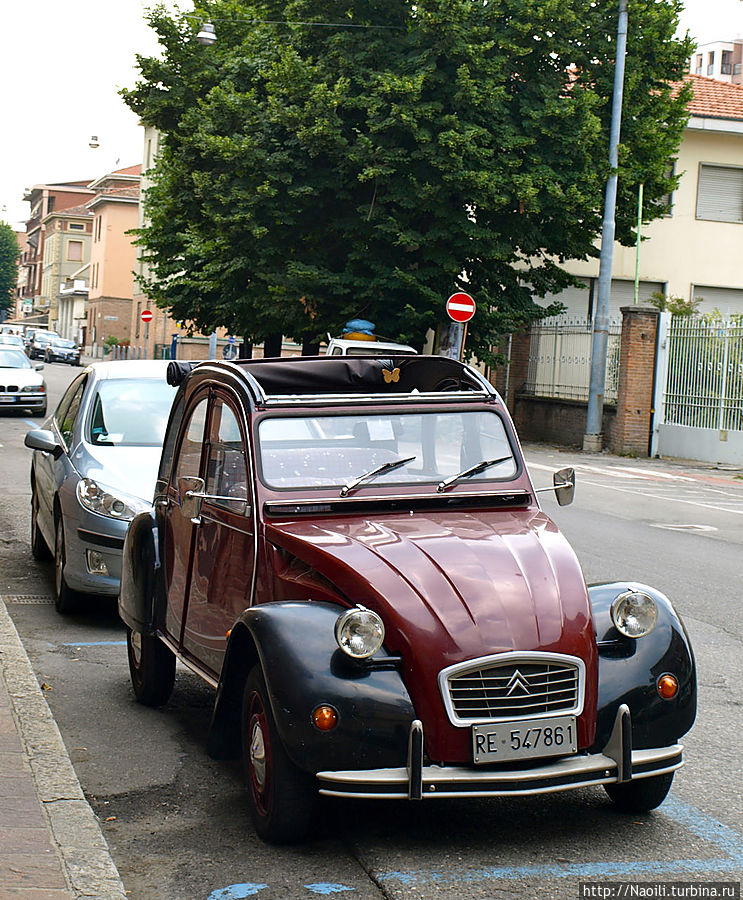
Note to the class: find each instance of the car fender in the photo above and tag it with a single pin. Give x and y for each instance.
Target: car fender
(140, 565)
(629, 669)
(303, 667)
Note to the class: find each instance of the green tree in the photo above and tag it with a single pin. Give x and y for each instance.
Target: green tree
(312, 173)
(8, 266)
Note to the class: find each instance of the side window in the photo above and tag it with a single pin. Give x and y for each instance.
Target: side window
(68, 409)
(60, 414)
(189, 455)
(227, 471)
(166, 459)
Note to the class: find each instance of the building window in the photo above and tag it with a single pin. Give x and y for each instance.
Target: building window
(720, 193)
(76, 226)
(726, 66)
(711, 63)
(75, 251)
(698, 67)
(97, 227)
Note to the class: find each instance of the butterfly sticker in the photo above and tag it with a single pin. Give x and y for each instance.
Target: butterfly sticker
(391, 376)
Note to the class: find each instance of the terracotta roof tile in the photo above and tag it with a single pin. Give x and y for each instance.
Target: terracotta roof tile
(715, 99)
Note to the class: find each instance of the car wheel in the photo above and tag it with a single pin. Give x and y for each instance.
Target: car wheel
(39, 547)
(151, 667)
(282, 797)
(65, 599)
(39, 413)
(640, 795)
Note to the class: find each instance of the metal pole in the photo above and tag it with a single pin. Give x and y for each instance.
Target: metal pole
(637, 244)
(593, 438)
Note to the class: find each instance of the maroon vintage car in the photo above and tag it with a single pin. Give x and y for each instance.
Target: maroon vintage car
(351, 551)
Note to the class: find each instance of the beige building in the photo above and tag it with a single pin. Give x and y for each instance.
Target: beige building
(112, 255)
(66, 252)
(697, 251)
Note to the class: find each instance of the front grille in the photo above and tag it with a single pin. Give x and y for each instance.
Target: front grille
(514, 689)
(8, 389)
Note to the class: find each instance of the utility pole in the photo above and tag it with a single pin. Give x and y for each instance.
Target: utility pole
(593, 438)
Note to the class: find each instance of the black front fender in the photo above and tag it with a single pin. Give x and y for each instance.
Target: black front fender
(629, 669)
(303, 667)
(139, 567)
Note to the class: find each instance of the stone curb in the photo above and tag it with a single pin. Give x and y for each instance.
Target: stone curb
(74, 828)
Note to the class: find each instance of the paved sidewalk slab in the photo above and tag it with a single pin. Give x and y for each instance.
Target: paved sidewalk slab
(51, 844)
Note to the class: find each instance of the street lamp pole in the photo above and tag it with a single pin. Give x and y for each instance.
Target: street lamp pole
(593, 438)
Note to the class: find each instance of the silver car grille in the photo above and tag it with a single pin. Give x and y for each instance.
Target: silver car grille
(8, 389)
(513, 689)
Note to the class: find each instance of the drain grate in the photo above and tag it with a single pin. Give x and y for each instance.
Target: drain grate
(27, 599)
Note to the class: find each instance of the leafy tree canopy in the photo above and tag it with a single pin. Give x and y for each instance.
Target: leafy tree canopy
(8, 266)
(312, 173)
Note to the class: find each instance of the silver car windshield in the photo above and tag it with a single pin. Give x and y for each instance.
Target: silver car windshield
(328, 451)
(130, 412)
(14, 359)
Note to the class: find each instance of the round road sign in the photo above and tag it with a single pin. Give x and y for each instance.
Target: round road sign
(460, 307)
(146, 315)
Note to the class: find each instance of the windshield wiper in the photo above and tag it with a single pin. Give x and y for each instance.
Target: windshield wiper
(473, 470)
(386, 467)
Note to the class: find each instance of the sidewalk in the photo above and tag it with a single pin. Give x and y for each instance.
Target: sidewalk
(51, 845)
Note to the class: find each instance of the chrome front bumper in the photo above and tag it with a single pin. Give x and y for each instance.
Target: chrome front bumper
(617, 763)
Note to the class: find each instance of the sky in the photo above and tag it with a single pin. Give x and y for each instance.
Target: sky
(63, 63)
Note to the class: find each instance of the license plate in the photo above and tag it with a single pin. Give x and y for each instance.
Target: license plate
(524, 739)
(7, 399)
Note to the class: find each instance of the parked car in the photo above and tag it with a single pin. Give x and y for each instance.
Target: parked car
(93, 468)
(8, 339)
(61, 350)
(351, 551)
(21, 384)
(351, 347)
(38, 342)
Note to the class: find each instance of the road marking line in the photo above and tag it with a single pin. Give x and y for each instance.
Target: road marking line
(324, 887)
(236, 891)
(94, 644)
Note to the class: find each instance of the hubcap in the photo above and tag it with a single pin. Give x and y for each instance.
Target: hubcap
(258, 754)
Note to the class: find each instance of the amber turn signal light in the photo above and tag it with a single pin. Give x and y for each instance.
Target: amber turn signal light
(325, 718)
(667, 686)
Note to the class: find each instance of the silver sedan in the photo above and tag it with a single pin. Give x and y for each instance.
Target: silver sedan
(21, 385)
(93, 469)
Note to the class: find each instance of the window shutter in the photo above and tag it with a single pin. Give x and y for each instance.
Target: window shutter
(720, 193)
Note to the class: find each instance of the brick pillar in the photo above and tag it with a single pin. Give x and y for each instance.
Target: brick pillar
(631, 431)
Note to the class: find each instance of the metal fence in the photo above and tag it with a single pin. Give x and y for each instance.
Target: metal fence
(560, 359)
(704, 385)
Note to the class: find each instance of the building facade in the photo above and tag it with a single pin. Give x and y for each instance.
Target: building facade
(722, 60)
(66, 254)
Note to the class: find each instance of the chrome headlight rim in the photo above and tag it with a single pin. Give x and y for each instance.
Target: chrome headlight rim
(355, 645)
(618, 612)
(98, 498)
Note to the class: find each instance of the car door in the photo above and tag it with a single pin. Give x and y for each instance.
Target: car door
(179, 528)
(223, 560)
(51, 474)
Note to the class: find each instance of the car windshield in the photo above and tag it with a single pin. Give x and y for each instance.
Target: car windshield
(46, 335)
(130, 412)
(13, 359)
(328, 451)
(61, 342)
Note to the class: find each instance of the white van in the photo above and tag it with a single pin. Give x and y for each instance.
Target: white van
(347, 347)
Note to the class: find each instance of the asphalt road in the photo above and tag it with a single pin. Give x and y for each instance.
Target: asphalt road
(177, 822)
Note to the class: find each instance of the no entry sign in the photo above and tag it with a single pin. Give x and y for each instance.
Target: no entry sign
(460, 307)
(146, 315)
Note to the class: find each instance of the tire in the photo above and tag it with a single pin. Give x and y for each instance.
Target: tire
(39, 413)
(282, 797)
(65, 599)
(640, 795)
(39, 547)
(151, 667)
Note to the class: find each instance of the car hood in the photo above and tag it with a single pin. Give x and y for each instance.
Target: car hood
(456, 586)
(21, 377)
(132, 470)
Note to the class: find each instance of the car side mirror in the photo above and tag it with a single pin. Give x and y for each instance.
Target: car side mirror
(39, 366)
(41, 439)
(190, 495)
(564, 482)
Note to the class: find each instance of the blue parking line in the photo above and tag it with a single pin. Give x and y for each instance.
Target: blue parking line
(326, 887)
(94, 644)
(699, 823)
(236, 891)
(31, 424)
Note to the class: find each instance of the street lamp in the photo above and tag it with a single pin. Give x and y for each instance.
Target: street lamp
(207, 35)
(593, 438)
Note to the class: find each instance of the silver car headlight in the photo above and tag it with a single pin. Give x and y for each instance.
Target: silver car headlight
(33, 389)
(634, 613)
(359, 632)
(108, 501)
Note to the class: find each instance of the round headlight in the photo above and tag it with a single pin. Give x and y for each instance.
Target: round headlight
(634, 614)
(359, 632)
